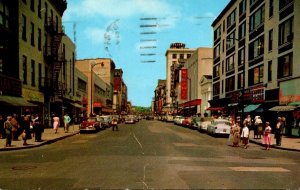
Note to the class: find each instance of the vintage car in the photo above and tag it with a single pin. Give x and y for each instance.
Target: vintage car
(105, 120)
(178, 120)
(130, 119)
(219, 127)
(92, 124)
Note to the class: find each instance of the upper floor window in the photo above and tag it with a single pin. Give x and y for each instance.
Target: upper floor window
(270, 70)
(230, 63)
(217, 51)
(285, 65)
(257, 18)
(284, 3)
(242, 7)
(271, 8)
(216, 88)
(32, 33)
(230, 40)
(256, 48)
(32, 5)
(24, 28)
(256, 75)
(39, 39)
(240, 80)
(4, 15)
(174, 55)
(24, 1)
(242, 30)
(286, 31)
(241, 57)
(24, 62)
(32, 73)
(271, 40)
(217, 33)
(189, 55)
(39, 8)
(229, 86)
(216, 71)
(231, 19)
(252, 2)
(181, 56)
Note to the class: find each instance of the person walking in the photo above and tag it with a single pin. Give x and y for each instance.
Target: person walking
(8, 131)
(245, 134)
(114, 124)
(278, 131)
(67, 121)
(15, 127)
(56, 123)
(26, 129)
(258, 127)
(236, 134)
(267, 136)
(38, 128)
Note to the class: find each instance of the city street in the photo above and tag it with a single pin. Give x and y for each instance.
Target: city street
(148, 155)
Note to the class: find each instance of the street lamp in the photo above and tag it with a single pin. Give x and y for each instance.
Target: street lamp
(93, 64)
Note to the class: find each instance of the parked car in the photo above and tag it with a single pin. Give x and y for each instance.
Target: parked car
(169, 118)
(204, 123)
(92, 124)
(129, 119)
(219, 127)
(186, 122)
(178, 120)
(105, 120)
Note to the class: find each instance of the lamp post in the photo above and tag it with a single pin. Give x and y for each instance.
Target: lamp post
(93, 64)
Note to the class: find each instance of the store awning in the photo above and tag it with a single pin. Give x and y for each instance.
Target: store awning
(215, 108)
(16, 101)
(76, 105)
(282, 108)
(294, 103)
(251, 107)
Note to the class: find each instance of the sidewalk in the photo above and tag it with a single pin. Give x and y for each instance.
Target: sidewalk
(287, 143)
(48, 137)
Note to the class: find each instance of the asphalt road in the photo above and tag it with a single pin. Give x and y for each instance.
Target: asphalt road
(148, 155)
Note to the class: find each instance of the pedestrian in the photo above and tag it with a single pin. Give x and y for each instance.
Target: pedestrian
(26, 129)
(114, 124)
(2, 130)
(258, 127)
(232, 125)
(267, 136)
(8, 131)
(245, 134)
(56, 123)
(249, 121)
(236, 134)
(278, 131)
(38, 128)
(15, 127)
(67, 121)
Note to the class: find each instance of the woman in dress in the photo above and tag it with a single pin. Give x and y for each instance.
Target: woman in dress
(56, 123)
(267, 136)
(236, 135)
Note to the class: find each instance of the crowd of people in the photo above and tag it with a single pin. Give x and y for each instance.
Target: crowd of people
(261, 131)
(27, 126)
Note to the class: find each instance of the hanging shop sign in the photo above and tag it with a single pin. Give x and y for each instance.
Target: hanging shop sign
(258, 94)
(184, 83)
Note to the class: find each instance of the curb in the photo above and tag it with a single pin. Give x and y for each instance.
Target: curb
(50, 141)
(274, 146)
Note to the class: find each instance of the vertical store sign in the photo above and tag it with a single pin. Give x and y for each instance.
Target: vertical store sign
(184, 83)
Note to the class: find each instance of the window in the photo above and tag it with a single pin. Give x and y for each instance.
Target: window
(286, 31)
(40, 74)
(284, 3)
(256, 48)
(223, 67)
(242, 7)
(252, 2)
(39, 8)
(216, 71)
(32, 5)
(223, 25)
(39, 39)
(56, 23)
(271, 40)
(4, 15)
(24, 28)
(271, 8)
(229, 86)
(24, 62)
(230, 40)
(269, 71)
(242, 30)
(240, 80)
(230, 63)
(189, 55)
(32, 73)
(24, 1)
(257, 18)
(46, 14)
(217, 33)
(285, 65)
(256, 75)
(32, 33)
(217, 51)
(241, 57)
(231, 19)
(51, 17)
(81, 85)
(174, 55)
(181, 56)
(216, 88)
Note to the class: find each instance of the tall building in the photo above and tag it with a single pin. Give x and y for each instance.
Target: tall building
(120, 93)
(256, 59)
(159, 96)
(36, 53)
(176, 56)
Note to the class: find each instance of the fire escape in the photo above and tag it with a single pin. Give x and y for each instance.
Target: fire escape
(55, 60)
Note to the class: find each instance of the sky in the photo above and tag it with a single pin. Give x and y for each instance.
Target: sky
(135, 34)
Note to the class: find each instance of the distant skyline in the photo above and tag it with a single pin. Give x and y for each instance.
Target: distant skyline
(135, 34)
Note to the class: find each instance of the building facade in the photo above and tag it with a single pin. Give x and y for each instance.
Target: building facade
(120, 93)
(159, 97)
(255, 53)
(176, 56)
